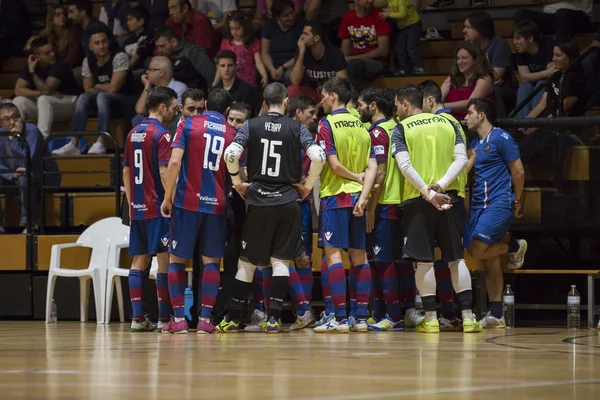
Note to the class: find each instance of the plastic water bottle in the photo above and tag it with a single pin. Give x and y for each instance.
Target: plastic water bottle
(188, 301)
(573, 302)
(508, 307)
(52, 318)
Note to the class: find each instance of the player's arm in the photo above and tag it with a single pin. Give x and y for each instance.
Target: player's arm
(316, 155)
(472, 157)
(164, 156)
(233, 152)
(509, 150)
(517, 174)
(126, 184)
(171, 179)
(369, 181)
(380, 143)
(325, 138)
(459, 162)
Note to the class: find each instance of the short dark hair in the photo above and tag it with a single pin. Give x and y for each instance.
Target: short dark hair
(412, 94)
(430, 88)
(185, 3)
(299, 102)
(527, 29)
(226, 54)
(241, 107)
(341, 87)
(483, 23)
(218, 100)
(274, 94)
(139, 13)
(380, 98)
(7, 106)
(82, 5)
(486, 106)
(159, 95)
(166, 32)
(570, 48)
(194, 94)
(98, 31)
(317, 29)
(38, 43)
(279, 6)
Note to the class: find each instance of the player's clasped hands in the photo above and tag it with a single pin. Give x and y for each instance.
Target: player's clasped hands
(441, 200)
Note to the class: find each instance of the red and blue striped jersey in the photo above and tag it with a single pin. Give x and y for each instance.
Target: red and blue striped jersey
(148, 147)
(203, 174)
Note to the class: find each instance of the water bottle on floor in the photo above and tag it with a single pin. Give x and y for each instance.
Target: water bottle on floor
(52, 317)
(188, 299)
(573, 301)
(508, 307)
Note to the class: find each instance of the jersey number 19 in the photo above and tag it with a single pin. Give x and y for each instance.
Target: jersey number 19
(214, 145)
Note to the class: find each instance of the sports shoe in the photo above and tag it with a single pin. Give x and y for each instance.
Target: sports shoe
(386, 324)
(471, 325)
(433, 34)
(161, 323)
(425, 326)
(333, 326)
(516, 259)
(441, 4)
(68, 149)
(413, 317)
(358, 325)
(304, 321)
(205, 327)
(97, 148)
(325, 318)
(228, 326)
(372, 320)
(400, 72)
(258, 317)
(450, 325)
(176, 327)
(273, 326)
(140, 325)
(418, 70)
(491, 322)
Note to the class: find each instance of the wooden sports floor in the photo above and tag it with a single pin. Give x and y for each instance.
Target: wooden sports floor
(70, 360)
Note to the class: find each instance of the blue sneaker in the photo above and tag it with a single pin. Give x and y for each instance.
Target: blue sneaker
(325, 318)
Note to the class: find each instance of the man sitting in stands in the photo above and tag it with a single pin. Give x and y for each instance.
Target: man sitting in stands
(80, 14)
(237, 88)
(193, 26)
(13, 171)
(46, 89)
(108, 86)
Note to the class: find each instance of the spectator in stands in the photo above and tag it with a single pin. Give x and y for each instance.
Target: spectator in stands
(109, 89)
(191, 64)
(563, 18)
(314, 63)
(63, 36)
(15, 28)
(158, 11)
(159, 73)
(471, 77)
(218, 11)
(329, 14)
(264, 8)
(408, 41)
(591, 64)
(242, 42)
(46, 89)
(193, 26)
(237, 88)
(12, 121)
(279, 40)
(239, 112)
(534, 62)
(140, 44)
(80, 14)
(365, 43)
(114, 15)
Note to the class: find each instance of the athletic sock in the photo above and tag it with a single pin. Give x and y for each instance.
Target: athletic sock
(363, 286)
(162, 293)
(267, 277)
(496, 309)
(406, 274)
(337, 284)
(279, 287)
(296, 291)
(237, 305)
(390, 290)
(211, 279)
(467, 314)
(307, 279)
(325, 288)
(377, 292)
(444, 288)
(177, 282)
(136, 292)
(258, 292)
(352, 289)
(513, 245)
(429, 307)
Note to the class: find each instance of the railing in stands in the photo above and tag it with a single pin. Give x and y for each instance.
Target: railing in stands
(115, 173)
(28, 173)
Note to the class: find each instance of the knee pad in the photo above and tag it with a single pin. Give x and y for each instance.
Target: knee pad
(461, 277)
(245, 272)
(425, 278)
(280, 267)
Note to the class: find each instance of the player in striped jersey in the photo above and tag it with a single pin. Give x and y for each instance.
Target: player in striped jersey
(147, 153)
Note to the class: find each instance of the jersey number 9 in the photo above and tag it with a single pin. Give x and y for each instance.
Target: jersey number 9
(139, 165)
(214, 145)
(269, 151)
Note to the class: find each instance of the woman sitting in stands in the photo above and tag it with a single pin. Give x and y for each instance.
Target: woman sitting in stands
(471, 77)
(63, 36)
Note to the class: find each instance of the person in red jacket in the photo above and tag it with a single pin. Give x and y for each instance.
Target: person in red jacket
(193, 26)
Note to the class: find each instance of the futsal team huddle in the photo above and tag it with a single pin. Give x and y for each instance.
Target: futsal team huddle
(386, 172)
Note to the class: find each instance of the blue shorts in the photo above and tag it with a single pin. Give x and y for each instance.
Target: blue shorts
(342, 230)
(489, 225)
(149, 236)
(385, 241)
(307, 226)
(187, 226)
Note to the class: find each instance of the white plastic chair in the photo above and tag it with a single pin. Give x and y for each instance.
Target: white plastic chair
(100, 237)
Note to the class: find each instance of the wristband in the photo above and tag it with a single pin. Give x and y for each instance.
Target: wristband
(234, 174)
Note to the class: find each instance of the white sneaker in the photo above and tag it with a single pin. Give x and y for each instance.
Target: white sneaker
(359, 325)
(334, 327)
(491, 322)
(97, 148)
(141, 326)
(68, 149)
(516, 259)
(413, 317)
(304, 321)
(258, 317)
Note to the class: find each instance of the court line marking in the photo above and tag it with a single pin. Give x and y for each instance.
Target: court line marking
(492, 340)
(571, 340)
(450, 390)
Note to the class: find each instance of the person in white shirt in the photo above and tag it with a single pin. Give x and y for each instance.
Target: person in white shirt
(563, 18)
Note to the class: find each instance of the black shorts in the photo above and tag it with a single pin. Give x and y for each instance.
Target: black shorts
(271, 231)
(424, 226)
